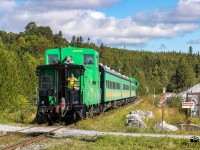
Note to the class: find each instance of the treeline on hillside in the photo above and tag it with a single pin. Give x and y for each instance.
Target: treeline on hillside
(20, 53)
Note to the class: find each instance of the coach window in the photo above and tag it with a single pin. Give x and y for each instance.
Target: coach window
(52, 59)
(88, 59)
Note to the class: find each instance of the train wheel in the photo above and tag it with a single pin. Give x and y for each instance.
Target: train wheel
(70, 117)
(40, 119)
(49, 119)
(91, 111)
(87, 114)
(97, 110)
(82, 113)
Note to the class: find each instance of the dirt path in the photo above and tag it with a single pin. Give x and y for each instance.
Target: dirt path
(69, 132)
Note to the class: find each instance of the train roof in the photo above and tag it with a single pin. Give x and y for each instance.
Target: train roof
(59, 65)
(113, 72)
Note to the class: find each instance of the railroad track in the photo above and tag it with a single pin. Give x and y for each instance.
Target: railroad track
(18, 131)
(15, 132)
(29, 141)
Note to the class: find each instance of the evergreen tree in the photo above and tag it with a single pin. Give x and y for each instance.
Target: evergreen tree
(190, 50)
(73, 40)
(31, 28)
(184, 77)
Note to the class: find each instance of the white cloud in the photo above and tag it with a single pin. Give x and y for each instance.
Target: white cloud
(187, 11)
(197, 41)
(7, 4)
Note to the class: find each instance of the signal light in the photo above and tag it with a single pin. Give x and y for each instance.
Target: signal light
(38, 72)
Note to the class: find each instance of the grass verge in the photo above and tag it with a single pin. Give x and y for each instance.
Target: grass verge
(120, 142)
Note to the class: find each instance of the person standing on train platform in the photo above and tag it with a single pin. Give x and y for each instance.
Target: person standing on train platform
(72, 82)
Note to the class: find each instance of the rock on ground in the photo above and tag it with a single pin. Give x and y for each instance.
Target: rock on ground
(166, 127)
(135, 118)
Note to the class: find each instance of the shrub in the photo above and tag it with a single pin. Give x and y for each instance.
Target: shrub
(174, 102)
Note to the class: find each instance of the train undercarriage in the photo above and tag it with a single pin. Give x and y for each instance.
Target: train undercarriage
(70, 114)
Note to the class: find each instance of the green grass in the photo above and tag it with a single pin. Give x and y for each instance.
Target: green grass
(25, 115)
(121, 143)
(114, 120)
(10, 140)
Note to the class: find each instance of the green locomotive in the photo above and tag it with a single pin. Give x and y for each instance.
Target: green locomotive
(94, 88)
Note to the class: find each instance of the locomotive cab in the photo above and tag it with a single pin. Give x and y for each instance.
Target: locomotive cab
(55, 95)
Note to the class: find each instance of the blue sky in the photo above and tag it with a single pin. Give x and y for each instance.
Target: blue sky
(126, 8)
(154, 25)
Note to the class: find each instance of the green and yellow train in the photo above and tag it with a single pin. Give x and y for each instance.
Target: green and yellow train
(96, 88)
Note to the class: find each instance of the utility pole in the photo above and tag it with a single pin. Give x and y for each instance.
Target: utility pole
(163, 104)
(187, 113)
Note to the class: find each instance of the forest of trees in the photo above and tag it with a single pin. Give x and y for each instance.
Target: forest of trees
(20, 53)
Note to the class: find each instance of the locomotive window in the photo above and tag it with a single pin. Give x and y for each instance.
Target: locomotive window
(88, 59)
(52, 59)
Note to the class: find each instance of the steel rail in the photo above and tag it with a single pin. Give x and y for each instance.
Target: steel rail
(15, 132)
(30, 141)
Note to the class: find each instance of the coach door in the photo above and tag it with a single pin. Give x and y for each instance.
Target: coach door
(61, 84)
(72, 90)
